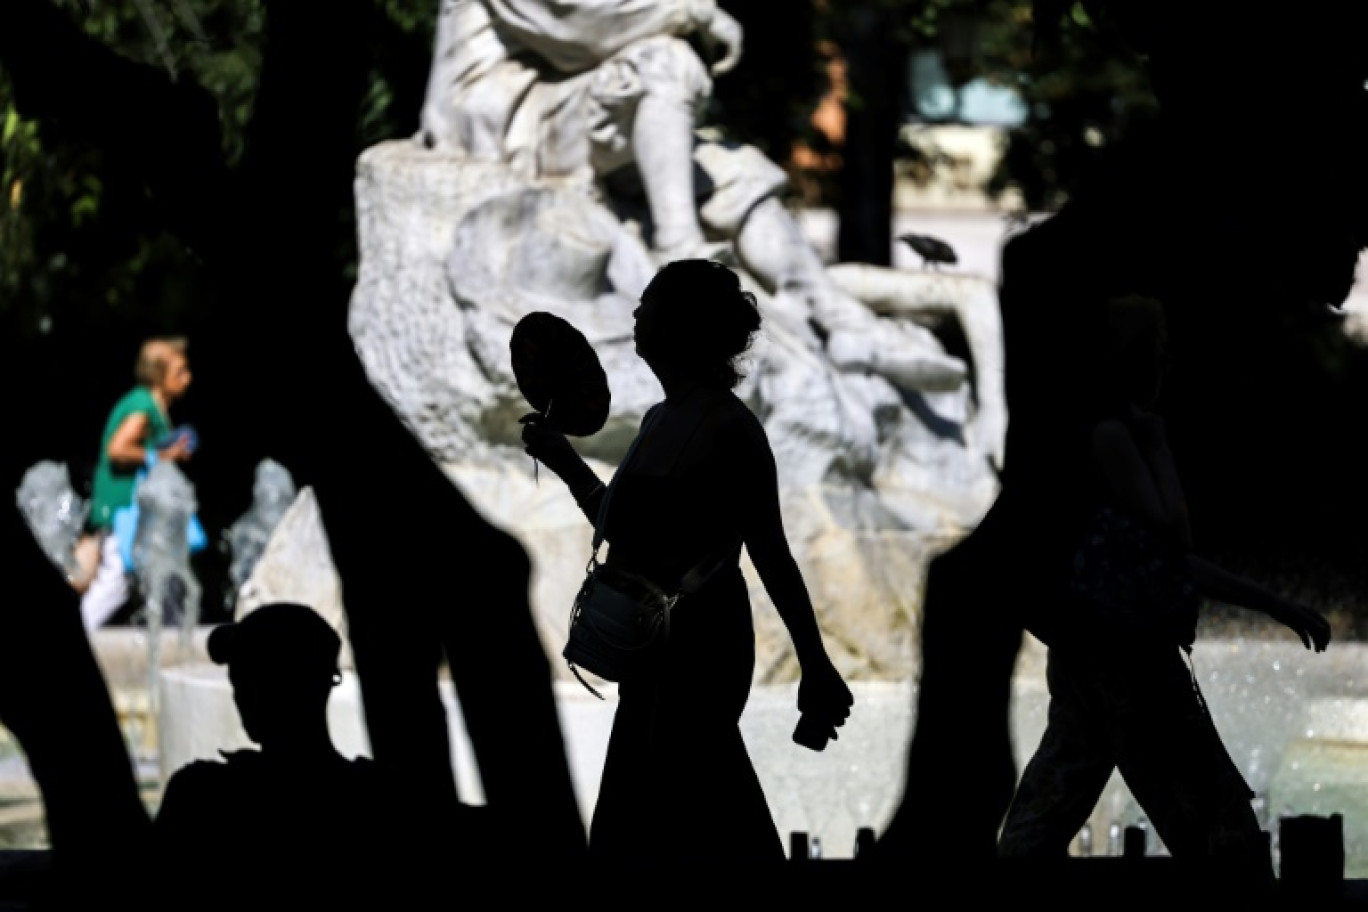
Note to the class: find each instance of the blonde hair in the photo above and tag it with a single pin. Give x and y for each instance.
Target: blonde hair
(150, 368)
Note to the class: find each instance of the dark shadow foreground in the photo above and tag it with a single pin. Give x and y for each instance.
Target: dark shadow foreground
(427, 579)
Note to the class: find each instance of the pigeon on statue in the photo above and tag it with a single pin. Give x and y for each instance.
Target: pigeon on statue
(933, 251)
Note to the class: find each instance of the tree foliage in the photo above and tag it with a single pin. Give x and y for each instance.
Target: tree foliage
(1082, 97)
(1083, 89)
(78, 252)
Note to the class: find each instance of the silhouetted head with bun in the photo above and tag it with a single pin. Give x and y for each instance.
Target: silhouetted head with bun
(694, 323)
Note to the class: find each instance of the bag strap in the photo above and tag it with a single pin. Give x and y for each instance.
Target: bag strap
(651, 417)
(695, 578)
(699, 573)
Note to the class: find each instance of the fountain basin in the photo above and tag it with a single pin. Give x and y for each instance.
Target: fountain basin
(1295, 722)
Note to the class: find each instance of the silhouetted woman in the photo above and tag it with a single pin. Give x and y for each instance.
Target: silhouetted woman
(677, 782)
(1121, 695)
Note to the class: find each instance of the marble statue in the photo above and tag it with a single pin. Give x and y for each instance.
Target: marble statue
(607, 93)
(559, 162)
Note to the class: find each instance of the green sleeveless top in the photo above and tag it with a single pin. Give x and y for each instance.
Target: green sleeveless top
(113, 485)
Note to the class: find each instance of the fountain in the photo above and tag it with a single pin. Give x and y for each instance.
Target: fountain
(55, 513)
(880, 474)
(472, 224)
(1295, 722)
(273, 492)
(161, 561)
(887, 443)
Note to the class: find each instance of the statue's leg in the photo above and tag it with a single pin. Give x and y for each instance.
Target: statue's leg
(643, 107)
(663, 137)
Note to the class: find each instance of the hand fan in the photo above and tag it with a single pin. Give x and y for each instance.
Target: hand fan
(559, 374)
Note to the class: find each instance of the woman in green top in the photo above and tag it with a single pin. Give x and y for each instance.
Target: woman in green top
(138, 423)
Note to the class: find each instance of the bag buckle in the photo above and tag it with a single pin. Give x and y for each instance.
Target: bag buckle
(593, 559)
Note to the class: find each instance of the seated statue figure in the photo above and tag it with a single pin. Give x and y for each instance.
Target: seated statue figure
(605, 94)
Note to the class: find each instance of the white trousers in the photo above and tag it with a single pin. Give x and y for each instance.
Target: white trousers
(109, 590)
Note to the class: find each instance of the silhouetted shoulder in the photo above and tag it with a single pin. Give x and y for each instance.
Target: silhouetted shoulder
(210, 781)
(733, 418)
(741, 438)
(193, 804)
(717, 426)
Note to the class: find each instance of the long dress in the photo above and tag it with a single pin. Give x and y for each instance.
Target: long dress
(678, 782)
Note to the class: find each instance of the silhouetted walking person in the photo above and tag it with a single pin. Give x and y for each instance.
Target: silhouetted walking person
(677, 782)
(137, 432)
(1121, 695)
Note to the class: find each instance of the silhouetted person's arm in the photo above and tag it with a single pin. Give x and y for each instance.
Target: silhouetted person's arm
(552, 450)
(587, 489)
(1141, 476)
(1223, 586)
(129, 446)
(555, 452)
(821, 690)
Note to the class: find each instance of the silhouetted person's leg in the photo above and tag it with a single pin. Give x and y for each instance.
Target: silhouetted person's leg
(1172, 758)
(1065, 776)
(109, 591)
(960, 770)
(513, 724)
(392, 587)
(419, 565)
(397, 658)
(678, 787)
(396, 539)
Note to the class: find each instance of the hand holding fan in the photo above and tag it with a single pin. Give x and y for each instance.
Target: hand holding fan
(559, 374)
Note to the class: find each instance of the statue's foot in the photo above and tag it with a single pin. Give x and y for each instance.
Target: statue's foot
(987, 432)
(718, 251)
(896, 357)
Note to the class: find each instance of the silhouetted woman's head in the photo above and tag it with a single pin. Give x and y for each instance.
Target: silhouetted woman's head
(695, 321)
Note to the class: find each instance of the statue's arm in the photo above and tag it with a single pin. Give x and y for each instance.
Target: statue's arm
(577, 35)
(971, 301)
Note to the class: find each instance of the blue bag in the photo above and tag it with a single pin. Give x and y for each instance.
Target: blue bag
(125, 526)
